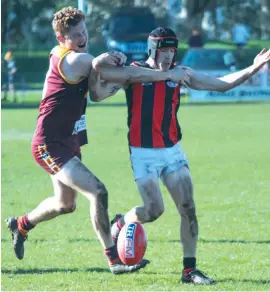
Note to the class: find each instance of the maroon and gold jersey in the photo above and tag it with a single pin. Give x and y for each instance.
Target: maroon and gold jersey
(152, 113)
(62, 110)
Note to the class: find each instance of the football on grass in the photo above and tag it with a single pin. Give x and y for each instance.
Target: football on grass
(132, 243)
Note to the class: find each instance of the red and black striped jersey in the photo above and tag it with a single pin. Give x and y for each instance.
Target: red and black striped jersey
(62, 108)
(152, 113)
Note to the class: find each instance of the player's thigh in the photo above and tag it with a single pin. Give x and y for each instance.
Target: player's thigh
(180, 186)
(77, 176)
(150, 191)
(65, 194)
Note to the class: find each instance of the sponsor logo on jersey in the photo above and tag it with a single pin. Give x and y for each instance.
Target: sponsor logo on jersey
(147, 83)
(172, 84)
(80, 125)
(129, 245)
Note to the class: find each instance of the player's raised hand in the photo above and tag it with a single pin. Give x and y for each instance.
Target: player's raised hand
(262, 58)
(109, 59)
(121, 58)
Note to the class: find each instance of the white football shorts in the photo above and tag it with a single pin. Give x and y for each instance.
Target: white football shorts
(161, 161)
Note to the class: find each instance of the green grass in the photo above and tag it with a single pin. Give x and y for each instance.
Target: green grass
(228, 150)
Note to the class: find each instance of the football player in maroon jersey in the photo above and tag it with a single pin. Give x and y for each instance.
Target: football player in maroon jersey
(61, 131)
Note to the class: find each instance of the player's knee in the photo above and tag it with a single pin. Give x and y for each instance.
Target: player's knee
(154, 212)
(69, 208)
(188, 207)
(102, 195)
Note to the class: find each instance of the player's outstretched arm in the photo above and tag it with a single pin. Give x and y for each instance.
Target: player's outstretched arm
(115, 72)
(201, 81)
(132, 74)
(235, 79)
(101, 89)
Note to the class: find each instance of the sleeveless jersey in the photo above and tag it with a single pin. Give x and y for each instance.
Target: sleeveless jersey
(62, 110)
(152, 113)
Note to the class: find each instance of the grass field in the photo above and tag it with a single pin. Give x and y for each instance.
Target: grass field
(228, 149)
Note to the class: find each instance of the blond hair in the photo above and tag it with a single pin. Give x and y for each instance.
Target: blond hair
(66, 18)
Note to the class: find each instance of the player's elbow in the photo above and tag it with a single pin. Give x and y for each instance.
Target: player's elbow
(95, 65)
(225, 88)
(95, 97)
(222, 90)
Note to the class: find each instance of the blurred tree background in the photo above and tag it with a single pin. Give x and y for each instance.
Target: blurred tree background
(27, 24)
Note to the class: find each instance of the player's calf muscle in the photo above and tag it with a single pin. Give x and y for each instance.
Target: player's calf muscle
(188, 212)
(103, 196)
(99, 207)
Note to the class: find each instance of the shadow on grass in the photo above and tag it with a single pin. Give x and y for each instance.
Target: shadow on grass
(244, 281)
(102, 270)
(59, 270)
(52, 270)
(78, 240)
(41, 240)
(237, 241)
(93, 240)
(234, 241)
(123, 104)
